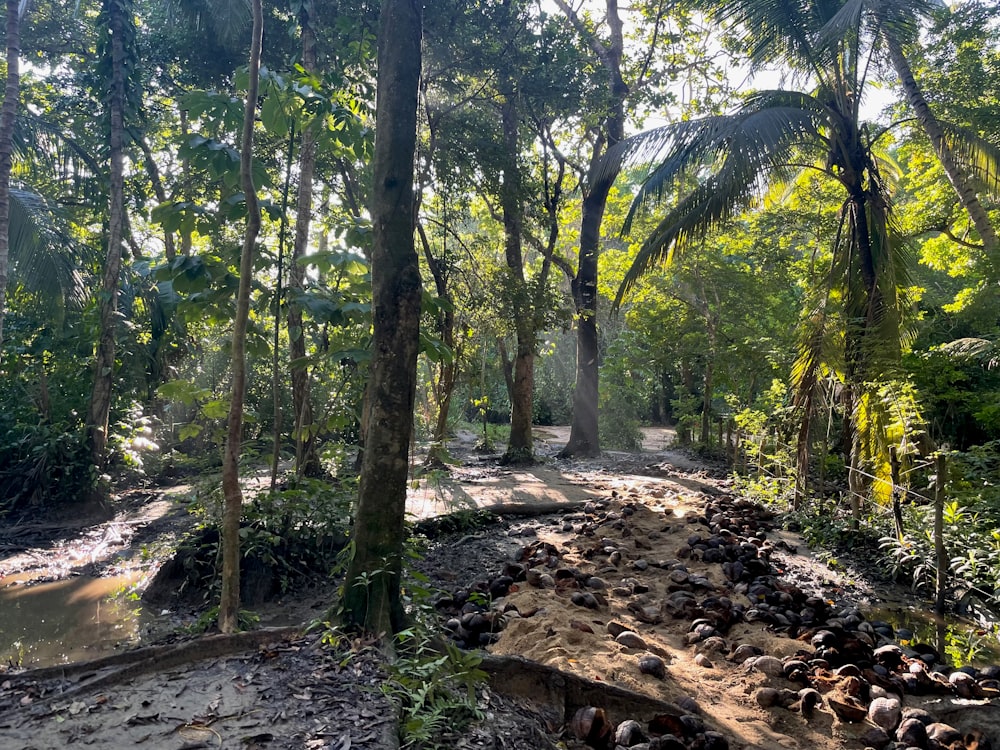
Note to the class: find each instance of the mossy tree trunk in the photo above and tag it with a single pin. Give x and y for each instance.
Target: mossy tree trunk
(372, 585)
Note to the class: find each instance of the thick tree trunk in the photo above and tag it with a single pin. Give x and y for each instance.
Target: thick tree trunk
(932, 127)
(229, 603)
(519, 445)
(372, 583)
(104, 369)
(584, 439)
(306, 459)
(12, 92)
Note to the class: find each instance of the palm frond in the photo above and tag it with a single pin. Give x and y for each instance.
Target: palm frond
(732, 158)
(984, 351)
(41, 257)
(844, 24)
(902, 17)
(772, 30)
(979, 156)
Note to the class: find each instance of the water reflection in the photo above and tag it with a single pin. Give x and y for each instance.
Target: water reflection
(959, 641)
(67, 620)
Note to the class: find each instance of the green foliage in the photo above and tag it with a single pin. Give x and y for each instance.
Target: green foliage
(287, 537)
(42, 464)
(432, 684)
(622, 396)
(434, 689)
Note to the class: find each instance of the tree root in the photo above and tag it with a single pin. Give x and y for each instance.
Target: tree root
(118, 668)
(558, 694)
(543, 508)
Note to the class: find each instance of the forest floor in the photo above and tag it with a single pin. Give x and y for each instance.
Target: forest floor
(609, 542)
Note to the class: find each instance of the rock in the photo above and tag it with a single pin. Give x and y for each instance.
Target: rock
(596, 583)
(713, 644)
(964, 685)
(703, 661)
(689, 704)
(652, 665)
(667, 742)
(710, 741)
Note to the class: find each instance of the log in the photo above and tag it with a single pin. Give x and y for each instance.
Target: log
(558, 694)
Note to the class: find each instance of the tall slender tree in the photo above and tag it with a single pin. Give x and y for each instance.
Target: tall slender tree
(12, 91)
(306, 459)
(119, 30)
(372, 583)
(229, 604)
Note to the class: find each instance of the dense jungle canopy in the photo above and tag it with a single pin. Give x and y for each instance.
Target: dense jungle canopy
(764, 223)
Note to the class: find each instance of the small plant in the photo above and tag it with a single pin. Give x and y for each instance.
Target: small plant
(435, 691)
(246, 620)
(482, 407)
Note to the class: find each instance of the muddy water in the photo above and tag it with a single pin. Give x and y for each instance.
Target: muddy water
(67, 620)
(960, 641)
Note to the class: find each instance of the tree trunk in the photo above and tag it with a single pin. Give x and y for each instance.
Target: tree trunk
(706, 402)
(584, 439)
(306, 459)
(932, 127)
(584, 436)
(12, 92)
(445, 373)
(519, 445)
(279, 294)
(372, 583)
(100, 397)
(229, 603)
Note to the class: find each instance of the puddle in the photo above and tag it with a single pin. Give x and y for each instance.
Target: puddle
(962, 642)
(76, 618)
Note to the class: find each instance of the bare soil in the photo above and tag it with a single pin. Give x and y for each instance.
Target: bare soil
(277, 691)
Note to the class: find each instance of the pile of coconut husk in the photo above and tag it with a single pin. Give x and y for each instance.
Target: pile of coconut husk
(667, 627)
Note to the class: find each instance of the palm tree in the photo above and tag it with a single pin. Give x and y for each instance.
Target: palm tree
(722, 164)
(979, 157)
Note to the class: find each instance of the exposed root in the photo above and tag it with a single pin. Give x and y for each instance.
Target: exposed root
(118, 668)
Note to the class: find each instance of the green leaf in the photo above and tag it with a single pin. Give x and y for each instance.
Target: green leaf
(217, 409)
